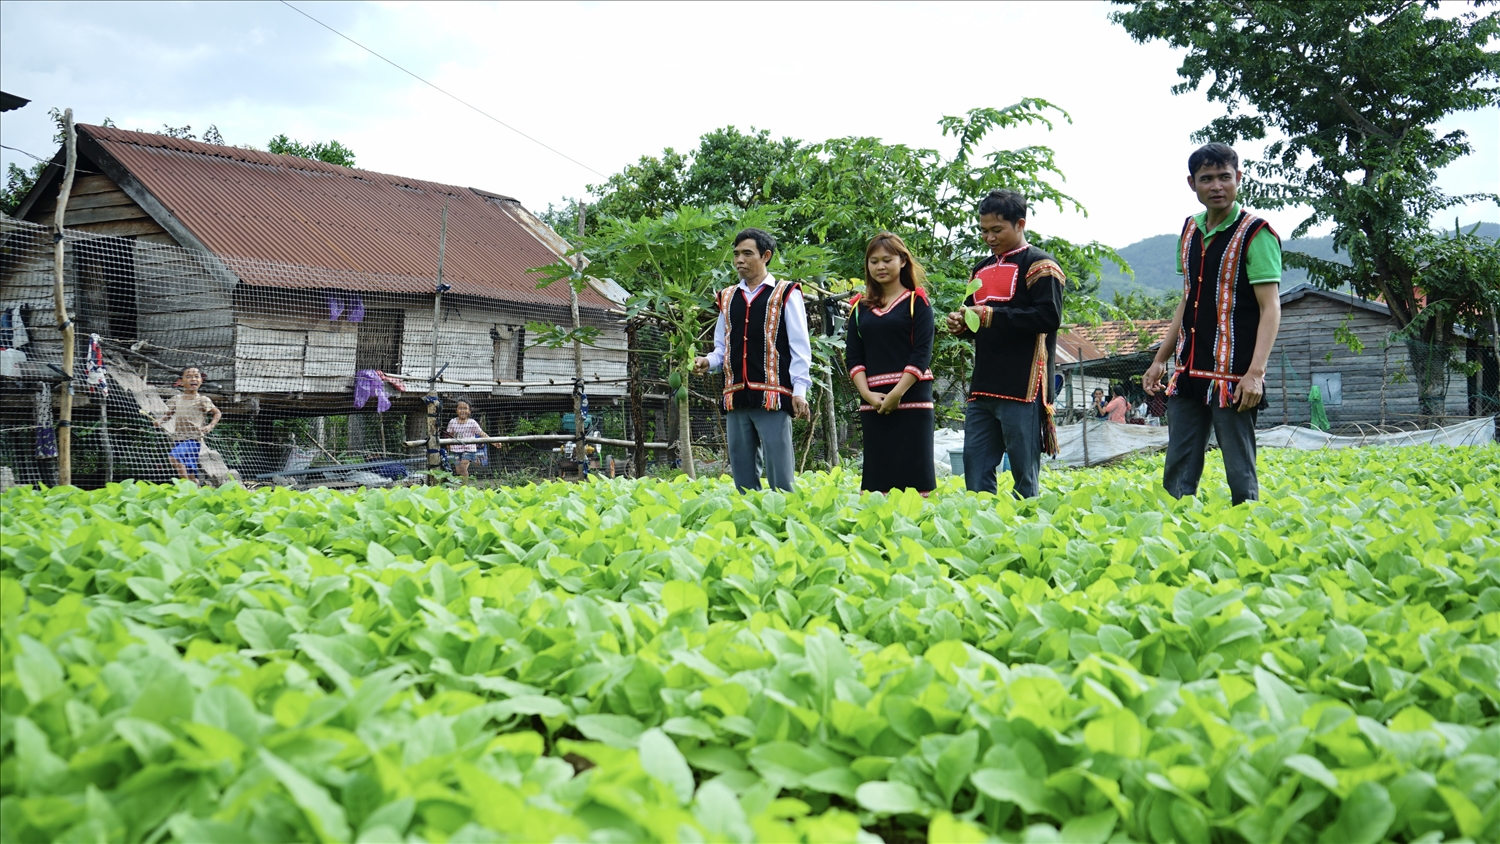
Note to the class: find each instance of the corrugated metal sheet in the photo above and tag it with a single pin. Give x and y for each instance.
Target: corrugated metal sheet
(373, 231)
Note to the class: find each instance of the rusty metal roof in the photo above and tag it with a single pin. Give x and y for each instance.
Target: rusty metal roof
(1112, 337)
(373, 231)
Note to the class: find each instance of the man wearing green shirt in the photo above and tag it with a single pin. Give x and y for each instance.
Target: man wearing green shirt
(1222, 332)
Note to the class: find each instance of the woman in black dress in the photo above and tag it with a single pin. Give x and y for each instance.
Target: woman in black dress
(889, 350)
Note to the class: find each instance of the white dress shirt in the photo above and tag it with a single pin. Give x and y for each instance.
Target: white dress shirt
(794, 315)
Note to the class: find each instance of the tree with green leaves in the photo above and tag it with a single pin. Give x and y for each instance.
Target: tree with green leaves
(673, 265)
(330, 151)
(1353, 91)
(837, 194)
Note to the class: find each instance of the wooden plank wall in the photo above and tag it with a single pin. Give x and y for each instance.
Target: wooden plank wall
(1307, 339)
(285, 343)
(480, 341)
(27, 280)
(98, 205)
(184, 306)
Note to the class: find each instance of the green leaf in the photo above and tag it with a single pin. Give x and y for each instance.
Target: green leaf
(614, 730)
(1119, 732)
(662, 760)
(971, 319)
(1363, 818)
(1095, 828)
(890, 798)
(326, 816)
(1012, 786)
(38, 670)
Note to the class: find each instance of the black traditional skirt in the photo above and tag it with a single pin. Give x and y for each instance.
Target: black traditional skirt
(898, 450)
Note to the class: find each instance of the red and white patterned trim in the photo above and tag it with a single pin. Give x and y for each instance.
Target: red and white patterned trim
(921, 376)
(891, 304)
(856, 369)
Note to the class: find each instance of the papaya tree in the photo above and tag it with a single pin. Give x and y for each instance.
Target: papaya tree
(673, 265)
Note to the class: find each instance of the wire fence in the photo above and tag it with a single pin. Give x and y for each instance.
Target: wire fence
(322, 377)
(1389, 384)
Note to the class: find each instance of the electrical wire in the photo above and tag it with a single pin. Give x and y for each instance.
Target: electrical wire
(443, 92)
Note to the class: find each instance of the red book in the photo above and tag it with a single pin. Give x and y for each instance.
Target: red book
(997, 283)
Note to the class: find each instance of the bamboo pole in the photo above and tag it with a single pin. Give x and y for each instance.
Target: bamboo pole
(437, 312)
(64, 324)
(579, 448)
(531, 438)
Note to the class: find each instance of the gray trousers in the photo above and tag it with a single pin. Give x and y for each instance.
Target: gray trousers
(1189, 421)
(994, 428)
(758, 433)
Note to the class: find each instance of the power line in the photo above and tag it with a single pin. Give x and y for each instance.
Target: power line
(441, 91)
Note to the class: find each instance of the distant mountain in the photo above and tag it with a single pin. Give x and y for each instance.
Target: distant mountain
(1155, 260)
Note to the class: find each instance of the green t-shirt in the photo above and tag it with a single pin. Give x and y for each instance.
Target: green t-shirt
(1262, 256)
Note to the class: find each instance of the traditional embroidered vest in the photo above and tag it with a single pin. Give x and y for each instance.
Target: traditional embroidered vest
(1016, 366)
(758, 357)
(1221, 315)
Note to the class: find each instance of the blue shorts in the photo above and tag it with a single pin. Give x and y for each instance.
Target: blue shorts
(186, 453)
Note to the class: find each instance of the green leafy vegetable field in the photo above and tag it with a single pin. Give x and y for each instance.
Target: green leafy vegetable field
(624, 661)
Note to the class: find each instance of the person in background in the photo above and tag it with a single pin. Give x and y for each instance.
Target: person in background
(186, 413)
(762, 344)
(1115, 410)
(1098, 403)
(1018, 307)
(1222, 332)
(464, 426)
(889, 351)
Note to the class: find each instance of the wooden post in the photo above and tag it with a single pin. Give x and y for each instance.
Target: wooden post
(1088, 414)
(637, 410)
(579, 446)
(437, 312)
(64, 324)
(685, 434)
(830, 421)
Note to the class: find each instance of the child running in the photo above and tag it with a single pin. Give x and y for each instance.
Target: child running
(186, 412)
(463, 427)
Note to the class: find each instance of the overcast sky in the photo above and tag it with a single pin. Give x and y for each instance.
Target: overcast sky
(606, 83)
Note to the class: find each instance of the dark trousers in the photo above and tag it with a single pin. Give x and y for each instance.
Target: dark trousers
(755, 434)
(1190, 421)
(994, 428)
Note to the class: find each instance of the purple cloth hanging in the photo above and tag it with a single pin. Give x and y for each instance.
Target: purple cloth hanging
(356, 310)
(367, 384)
(335, 307)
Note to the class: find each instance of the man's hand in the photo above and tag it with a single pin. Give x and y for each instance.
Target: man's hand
(956, 323)
(700, 365)
(1248, 393)
(1151, 381)
(799, 407)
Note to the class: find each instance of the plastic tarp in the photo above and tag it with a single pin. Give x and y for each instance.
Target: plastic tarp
(1472, 432)
(1111, 440)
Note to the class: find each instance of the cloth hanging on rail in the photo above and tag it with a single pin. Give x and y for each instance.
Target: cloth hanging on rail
(98, 377)
(368, 384)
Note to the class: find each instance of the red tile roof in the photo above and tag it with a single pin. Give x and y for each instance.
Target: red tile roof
(373, 231)
(1115, 337)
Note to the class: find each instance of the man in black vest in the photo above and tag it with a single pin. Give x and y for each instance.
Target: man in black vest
(1019, 309)
(761, 343)
(1222, 332)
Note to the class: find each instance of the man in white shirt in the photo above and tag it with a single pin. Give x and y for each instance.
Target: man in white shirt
(761, 343)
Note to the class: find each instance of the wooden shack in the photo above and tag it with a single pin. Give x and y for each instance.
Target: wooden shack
(282, 277)
(1375, 386)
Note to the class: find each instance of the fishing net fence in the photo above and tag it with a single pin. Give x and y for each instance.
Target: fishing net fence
(322, 377)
